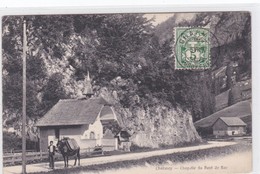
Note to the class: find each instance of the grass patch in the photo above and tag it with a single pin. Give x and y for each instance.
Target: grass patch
(136, 148)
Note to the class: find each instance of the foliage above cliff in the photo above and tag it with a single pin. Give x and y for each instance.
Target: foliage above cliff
(62, 48)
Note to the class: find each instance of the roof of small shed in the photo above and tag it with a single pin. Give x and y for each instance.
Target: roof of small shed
(232, 121)
(73, 112)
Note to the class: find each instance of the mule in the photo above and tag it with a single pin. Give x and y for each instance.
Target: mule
(66, 152)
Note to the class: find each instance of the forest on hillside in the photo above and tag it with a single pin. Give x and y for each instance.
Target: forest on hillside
(125, 53)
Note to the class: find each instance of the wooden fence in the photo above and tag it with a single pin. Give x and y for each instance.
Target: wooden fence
(16, 158)
(10, 152)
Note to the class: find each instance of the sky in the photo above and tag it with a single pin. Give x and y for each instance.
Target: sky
(159, 18)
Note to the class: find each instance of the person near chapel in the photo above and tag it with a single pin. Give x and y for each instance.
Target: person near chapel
(52, 150)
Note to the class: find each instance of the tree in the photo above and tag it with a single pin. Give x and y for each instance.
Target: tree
(53, 91)
(229, 74)
(62, 48)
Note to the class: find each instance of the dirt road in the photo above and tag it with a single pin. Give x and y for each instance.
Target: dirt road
(44, 167)
(238, 162)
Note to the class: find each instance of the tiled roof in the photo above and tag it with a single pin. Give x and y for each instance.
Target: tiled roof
(233, 121)
(107, 113)
(72, 112)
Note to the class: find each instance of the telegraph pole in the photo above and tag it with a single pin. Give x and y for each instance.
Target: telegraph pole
(24, 99)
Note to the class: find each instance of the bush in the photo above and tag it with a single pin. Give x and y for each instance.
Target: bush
(12, 141)
(136, 148)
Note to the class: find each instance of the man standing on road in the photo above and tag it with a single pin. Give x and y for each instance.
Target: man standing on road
(52, 149)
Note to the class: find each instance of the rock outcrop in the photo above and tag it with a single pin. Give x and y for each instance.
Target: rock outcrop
(155, 126)
(158, 126)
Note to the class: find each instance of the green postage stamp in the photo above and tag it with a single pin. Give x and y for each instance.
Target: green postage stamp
(192, 48)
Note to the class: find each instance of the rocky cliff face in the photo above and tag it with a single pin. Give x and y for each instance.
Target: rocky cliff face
(158, 126)
(155, 126)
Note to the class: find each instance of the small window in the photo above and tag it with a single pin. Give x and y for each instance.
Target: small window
(92, 135)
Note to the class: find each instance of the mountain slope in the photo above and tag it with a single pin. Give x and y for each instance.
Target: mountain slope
(241, 109)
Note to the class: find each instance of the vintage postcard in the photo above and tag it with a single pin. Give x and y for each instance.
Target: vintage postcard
(120, 93)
